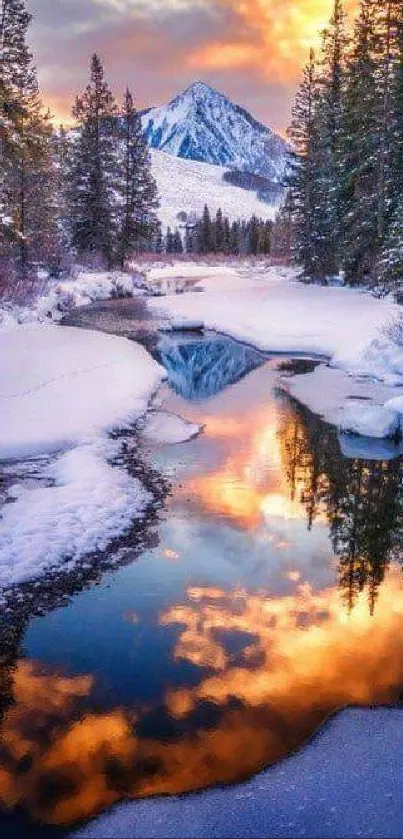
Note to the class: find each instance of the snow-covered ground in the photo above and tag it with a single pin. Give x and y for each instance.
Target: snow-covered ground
(164, 427)
(269, 308)
(87, 287)
(187, 185)
(62, 391)
(346, 782)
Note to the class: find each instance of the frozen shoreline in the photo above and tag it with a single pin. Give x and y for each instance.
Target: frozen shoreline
(63, 390)
(346, 781)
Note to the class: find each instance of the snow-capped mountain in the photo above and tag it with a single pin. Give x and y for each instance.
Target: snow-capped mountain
(203, 124)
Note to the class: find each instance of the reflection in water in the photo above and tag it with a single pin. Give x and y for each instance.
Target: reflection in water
(259, 653)
(362, 500)
(200, 369)
(271, 670)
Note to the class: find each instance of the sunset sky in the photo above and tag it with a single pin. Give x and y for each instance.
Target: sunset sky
(252, 50)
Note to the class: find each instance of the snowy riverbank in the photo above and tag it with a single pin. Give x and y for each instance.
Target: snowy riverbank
(269, 308)
(62, 391)
(346, 782)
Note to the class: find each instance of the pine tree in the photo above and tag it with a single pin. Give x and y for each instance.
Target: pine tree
(94, 199)
(303, 174)
(177, 246)
(227, 236)
(235, 238)
(159, 239)
(360, 149)
(389, 269)
(283, 245)
(253, 236)
(169, 241)
(26, 144)
(329, 130)
(219, 232)
(190, 243)
(205, 244)
(138, 225)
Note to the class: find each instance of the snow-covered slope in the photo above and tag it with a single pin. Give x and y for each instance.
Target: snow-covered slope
(202, 124)
(186, 186)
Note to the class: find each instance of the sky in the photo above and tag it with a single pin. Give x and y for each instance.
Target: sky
(251, 50)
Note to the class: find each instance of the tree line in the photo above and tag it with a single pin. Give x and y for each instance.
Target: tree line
(343, 212)
(88, 192)
(217, 235)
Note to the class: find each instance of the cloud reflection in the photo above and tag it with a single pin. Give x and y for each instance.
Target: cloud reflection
(271, 669)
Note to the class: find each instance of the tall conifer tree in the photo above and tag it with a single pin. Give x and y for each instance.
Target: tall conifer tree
(138, 223)
(95, 170)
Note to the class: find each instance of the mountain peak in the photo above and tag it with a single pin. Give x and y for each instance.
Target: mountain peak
(202, 124)
(197, 89)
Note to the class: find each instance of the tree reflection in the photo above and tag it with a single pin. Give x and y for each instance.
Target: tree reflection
(362, 500)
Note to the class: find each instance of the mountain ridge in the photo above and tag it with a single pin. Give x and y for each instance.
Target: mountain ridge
(202, 124)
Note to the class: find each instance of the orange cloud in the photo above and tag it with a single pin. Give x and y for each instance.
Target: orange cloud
(275, 37)
(224, 56)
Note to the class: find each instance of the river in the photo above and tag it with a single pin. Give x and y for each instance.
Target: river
(263, 593)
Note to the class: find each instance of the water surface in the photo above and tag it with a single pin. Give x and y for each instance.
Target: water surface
(263, 593)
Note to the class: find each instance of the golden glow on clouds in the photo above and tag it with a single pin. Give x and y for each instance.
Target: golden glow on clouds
(278, 36)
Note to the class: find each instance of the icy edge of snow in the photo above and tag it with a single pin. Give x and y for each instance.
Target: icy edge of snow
(88, 504)
(166, 428)
(346, 781)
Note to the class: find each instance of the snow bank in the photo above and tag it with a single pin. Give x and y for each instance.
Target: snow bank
(63, 388)
(59, 386)
(355, 405)
(370, 420)
(88, 504)
(87, 287)
(178, 277)
(189, 270)
(270, 309)
(347, 781)
(164, 427)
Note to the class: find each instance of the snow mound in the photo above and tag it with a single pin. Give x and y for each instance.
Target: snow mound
(382, 359)
(368, 448)
(163, 427)
(347, 781)
(60, 386)
(370, 420)
(87, 505)
(354, 405)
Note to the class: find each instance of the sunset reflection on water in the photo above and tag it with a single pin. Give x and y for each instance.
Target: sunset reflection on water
(255, 663)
